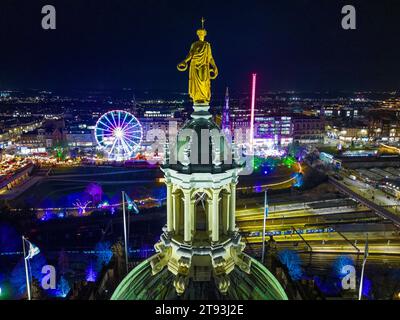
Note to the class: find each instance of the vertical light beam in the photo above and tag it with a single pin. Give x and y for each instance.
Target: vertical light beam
(253, 103)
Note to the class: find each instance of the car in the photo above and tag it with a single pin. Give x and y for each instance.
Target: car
(337, 177)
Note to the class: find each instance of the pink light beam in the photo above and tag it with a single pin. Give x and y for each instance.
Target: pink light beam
(253, 103)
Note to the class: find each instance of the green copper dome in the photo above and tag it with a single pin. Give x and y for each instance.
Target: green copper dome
(140, 284)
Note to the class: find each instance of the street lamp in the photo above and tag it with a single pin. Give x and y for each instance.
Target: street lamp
(264, 225)
(366, 253)
(125, 233)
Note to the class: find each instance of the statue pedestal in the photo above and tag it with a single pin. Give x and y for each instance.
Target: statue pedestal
(201, 111)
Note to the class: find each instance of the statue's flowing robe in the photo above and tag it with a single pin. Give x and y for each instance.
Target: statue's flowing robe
(199, 72)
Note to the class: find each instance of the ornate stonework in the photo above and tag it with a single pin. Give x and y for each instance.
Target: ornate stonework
(200, 240)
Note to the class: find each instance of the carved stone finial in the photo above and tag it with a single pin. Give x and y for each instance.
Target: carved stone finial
(166, 153)
(236, 153)
(186, 154)
(216, 151)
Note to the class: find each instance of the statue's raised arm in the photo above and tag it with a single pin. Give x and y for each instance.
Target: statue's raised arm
(182, 66)
(202, 68)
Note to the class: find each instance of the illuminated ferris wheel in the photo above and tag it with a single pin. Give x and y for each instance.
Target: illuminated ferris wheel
(118, 133)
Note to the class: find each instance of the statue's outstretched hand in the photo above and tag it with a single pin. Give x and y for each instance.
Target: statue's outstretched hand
(213, 72)
(182, 66)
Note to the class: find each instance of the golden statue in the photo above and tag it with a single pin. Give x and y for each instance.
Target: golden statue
(202, 68)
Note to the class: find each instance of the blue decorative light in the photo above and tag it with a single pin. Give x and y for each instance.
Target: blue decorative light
(328, 287)
(339, 264)
(298, 178)
(103, 205)
(103, 253)
(17, 279)
(292, 261)
(367, 288)
(91, 274)
(64, 288)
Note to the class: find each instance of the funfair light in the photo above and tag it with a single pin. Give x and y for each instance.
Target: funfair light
(118, 133)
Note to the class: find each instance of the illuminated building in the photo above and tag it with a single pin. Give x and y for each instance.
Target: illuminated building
(42, 138)
(4, 139)
(384, 125)
(348, 134)
(240, 122)
(12, 129)
(346, 113)
(200, 253)
(281, 130)
(308, 130)
(161, 120)
(18, 177)
(273, 130)
(157, 114)
(80, 138)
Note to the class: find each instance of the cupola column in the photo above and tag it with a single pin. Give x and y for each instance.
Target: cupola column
(175, 209)
(226, 213)
(187, 215)
(209, 216)
(215, 215)
(170, 212)
(232, 219)
(193, 216)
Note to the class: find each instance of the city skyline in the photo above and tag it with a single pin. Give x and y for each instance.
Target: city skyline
(292, 46)
(222, 151)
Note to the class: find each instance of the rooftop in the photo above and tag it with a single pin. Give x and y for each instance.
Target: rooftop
(140, 284)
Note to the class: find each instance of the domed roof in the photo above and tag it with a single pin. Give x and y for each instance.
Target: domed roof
(201, 147)
(141, 284)
(198, 124)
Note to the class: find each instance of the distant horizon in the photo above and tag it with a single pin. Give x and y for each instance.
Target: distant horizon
(292, 45)
(185, 94)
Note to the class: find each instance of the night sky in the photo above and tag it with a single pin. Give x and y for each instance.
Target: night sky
(291, 44)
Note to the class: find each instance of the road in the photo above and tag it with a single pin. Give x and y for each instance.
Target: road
(369, 192)
(369, 196)
(306, 209)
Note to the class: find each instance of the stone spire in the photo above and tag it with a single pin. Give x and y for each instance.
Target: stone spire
(226, 126)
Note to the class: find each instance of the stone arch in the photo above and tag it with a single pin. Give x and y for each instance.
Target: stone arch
(207, 191)
(201, 212)
(227, 188)
(224, 210)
